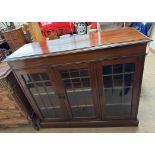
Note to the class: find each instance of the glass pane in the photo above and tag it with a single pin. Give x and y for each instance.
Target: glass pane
(44, 95)
(81, 103)
(68, 85)
(74, 73)
(77, 85)
(113, 96)
(40, 87)
(127, 95)
(118, 80)
(49, 87)
(117, 69)
(118, 89)
(76, 80)
(85, 82)
(38, 100)
(119, 110)
(107, 81)
(129, 67)
(117, 96)
(128, 79)
(35, 77)
(79, 92)
(84, 72)
(51, 112)
(26, 78)
(67, 81)
(44, 76)
(107, 70)
(32, 88)
(65, 74)
(108, 96)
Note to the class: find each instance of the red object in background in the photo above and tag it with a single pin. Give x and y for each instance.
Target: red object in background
(61, 28)
(93, 25)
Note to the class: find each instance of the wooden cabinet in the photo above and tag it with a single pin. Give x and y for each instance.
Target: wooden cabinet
(61, 93)
(15, 38)
(99, 90)
(40, 88)
(84, 87)
(77, 86)
(12, 103)
(117, 86)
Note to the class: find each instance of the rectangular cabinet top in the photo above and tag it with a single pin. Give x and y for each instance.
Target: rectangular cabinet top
(79, 43)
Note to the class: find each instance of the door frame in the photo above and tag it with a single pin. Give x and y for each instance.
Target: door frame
(41, 69)
(136, 86)
(93, 84)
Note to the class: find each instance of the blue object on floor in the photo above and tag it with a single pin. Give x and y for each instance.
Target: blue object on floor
(4, 45)
(142, 27)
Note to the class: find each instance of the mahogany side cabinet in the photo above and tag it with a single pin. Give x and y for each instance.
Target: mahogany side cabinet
(15, 38)
(83, 81)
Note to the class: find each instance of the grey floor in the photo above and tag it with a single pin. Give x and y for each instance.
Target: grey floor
(146, 113)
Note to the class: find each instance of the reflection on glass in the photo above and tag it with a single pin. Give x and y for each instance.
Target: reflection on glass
(65, 74)
(127, 94)
(128, 79)
(81, 102)
(119, 110)
(118, 80)
(129, 67)
(42, 91)
(107, 81)
(74, 73)
(117, 69)
(84, 72)
(118, 88)
(107, 70)
(77, 85)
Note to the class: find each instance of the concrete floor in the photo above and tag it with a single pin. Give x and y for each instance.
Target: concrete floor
(146, 113)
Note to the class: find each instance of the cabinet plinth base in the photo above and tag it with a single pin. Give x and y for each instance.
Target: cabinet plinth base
(110, 123)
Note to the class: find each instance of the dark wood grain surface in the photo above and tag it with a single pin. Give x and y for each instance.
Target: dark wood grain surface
(80, 43)
(91, 52)
(15, 38)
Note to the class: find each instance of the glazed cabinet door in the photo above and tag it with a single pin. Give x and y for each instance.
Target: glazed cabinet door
(79, 86)
(39, 87)
(118, 89)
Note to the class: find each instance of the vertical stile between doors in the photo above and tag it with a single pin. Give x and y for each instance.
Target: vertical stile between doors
(100, 86)
(95, 92)
(61, 92)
